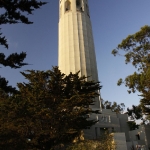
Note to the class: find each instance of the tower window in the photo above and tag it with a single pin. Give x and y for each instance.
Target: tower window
(67, 5)
(79, 5)
(87, 9)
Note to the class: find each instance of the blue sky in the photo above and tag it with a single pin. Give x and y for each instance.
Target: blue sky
(112, 21)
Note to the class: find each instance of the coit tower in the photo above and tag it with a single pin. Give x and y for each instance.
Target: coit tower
(76, 45)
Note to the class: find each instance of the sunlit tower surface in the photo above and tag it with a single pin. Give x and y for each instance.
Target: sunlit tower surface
(76, 45)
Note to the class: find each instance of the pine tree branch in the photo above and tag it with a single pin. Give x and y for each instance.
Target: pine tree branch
(14, 60)
(5, 87)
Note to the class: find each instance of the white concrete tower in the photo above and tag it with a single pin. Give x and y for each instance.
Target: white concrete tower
(76, 45)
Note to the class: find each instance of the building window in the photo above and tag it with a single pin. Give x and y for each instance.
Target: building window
(96, 134)
(79, 5)
(103, 131)
(137, 137)
(67, 5)
(112, 130)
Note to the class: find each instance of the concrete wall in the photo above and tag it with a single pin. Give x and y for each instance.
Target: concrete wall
(140, 132)
(120, 141)
(107, 120)
(147, 133)
(123, 118)
(143, 133)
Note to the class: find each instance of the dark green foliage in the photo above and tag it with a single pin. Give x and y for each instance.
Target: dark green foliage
(132, 125)
(135, 112)
(14, 60)
(118, 108)
(13, 12)
(137, 52)
(136, 47)
(3, 40)
(145, 104)
(6, 88)
(48, 110)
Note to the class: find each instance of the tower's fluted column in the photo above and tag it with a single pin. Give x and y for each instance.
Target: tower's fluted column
(76, 45)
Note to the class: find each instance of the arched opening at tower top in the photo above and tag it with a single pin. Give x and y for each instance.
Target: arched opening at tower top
(67, 5)
(79, 5)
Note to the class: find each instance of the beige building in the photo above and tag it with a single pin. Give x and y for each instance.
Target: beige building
(77, 52)
(76, 45)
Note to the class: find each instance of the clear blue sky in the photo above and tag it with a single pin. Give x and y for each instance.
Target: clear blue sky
(112, 21)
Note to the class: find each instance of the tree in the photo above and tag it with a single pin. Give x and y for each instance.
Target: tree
(132, 125)
(118, 108)
(13, 12)
(6, 88)
(49, 110)
(135, 112)
(137, 51)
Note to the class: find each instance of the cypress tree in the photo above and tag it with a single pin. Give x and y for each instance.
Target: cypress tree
(49, 110)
